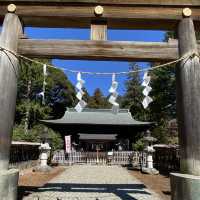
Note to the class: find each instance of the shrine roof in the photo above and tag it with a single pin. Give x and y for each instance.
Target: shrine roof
(97, 117)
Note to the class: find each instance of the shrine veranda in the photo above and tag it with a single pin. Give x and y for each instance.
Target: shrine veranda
(182, 16)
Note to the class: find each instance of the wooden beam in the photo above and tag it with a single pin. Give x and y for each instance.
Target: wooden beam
(99, 50)
(80, 16)
(126, 2)
(98, 31)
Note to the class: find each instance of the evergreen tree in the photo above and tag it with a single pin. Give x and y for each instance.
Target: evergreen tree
(59, 94)
(164, 93)
(163, 108)
(98, 101)
(86, 96)
(133, 96)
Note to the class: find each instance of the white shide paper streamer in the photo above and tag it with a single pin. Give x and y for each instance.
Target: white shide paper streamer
(81, 104)
(114, 95)
(146, 81)
(44, 84)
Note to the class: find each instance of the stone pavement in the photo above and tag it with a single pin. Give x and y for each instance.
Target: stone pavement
(87, 182)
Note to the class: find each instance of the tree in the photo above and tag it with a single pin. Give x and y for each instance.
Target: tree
(29, 84)
(59, 94)
(163, 108)
(164, 92)
(86, 96)
(35, 135)
(132, 100)
(98, 100)
(133, 96)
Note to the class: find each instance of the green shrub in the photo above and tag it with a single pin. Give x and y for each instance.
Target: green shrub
(35, 134)
(139, 145)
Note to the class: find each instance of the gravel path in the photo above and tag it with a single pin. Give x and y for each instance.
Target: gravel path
(86, 182)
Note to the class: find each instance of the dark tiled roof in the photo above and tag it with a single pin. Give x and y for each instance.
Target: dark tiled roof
(98, 117)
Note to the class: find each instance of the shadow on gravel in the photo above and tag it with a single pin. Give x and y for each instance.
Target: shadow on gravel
(123, 191)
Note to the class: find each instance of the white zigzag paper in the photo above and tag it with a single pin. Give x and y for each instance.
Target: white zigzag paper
(44, 83)
(114, 87)
(113, 97)
(147, 100)
(146, 81)
(147, 90)
(45, 70)
(81, 104)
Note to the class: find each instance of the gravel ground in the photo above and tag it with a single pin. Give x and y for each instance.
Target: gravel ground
(87, 182)
(159, 183)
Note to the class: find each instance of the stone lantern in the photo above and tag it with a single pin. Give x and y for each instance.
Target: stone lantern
(149, 150)
(44, 152)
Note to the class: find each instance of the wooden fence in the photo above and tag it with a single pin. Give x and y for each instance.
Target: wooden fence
(116, 158)
(24, 154)
(166, 158)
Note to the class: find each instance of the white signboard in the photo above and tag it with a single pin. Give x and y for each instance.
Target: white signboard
(68, 143)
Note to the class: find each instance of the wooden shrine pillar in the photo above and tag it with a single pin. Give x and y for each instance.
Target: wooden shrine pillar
(186, 184)
(11, 31)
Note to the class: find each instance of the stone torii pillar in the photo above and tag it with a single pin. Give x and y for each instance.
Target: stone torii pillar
(186, 184)
(11, 31)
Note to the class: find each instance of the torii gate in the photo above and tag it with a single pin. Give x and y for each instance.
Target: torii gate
(100, 15)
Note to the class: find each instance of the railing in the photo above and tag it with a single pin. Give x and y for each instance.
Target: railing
(116, 158)
(121, 157)
(92, 158)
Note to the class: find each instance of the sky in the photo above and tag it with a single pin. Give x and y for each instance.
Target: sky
(94, 81)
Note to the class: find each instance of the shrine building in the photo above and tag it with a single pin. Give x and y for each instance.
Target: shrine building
(99, 128)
